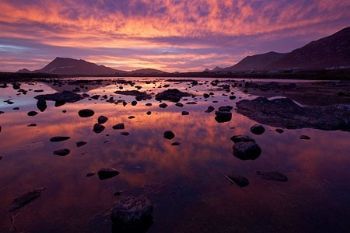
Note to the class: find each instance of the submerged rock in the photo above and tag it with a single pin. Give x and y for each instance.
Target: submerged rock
(81, 143)
(285, 113)
(257, 129)
(138, 94)
(275, 176)
(246, 150)
(59, 139)
(305, 137)
(169, 135)
(86, 113)
(132, 214)
(61, 152)
(106, 173)
(241, 181)
(173, 95)
(25, 199)
(63, 97)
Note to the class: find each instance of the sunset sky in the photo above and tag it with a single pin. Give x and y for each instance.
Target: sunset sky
(172, 35)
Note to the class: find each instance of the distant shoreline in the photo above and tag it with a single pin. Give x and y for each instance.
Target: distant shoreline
(343, 74)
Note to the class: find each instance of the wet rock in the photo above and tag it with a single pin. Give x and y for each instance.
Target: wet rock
(106, 173)
(285, 113)
(98, 128)
(59, 139)
(169, 135)
(221, 117)
(80, 143)
(25, 199)
(241, 181)
(175, 143)
(232, 97)
(60, 97)
(225, 108)
(125, 133)
(246, 150)
(90, 174)
(138, 95)
(61, 152)
(305, 137)
(102, 119)
(179, 105)
(134, 103)
(173, 95)
(59, 103)
(279, 130)
(184, 113)
(205, 95)
(31, 125)
(257, 129)
(41, 105)
(132, 214)
(163, 105)
(119, 126)
(86, 113)
(32, 113)
(241, 138)
(275, 176)
(131, 117)
(210, 109)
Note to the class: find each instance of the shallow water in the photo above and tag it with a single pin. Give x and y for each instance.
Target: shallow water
(186, 183)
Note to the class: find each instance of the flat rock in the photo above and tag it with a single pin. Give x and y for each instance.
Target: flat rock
(173, 95)
(86, 113)
(119, 126)
(25, 199)
(223, 116)
(106, 173)
(61, 152)
(59, 139)
(275, 176)
(63, 97)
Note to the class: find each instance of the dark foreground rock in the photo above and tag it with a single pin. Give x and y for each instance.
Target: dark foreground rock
(86, 113)
(59, 139)
(169, 135)
(241, 181)
(132, 214)
(41, 105)
(275, 176)
(25, 199)
(106, 173)
(102, 119)
(257, 129)
(61, 152)
(173, 95)
(61, 97)
(245, 148)
(98, 128)
(285, 113)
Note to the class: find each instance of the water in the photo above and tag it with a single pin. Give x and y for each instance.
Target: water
(186, 183)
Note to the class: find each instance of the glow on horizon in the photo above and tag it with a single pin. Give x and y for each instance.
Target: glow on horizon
(172, 35)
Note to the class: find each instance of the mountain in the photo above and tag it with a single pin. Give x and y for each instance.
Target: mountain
(24, 71)
(258, 62)
(70, 66)
(147, 72)
(332, 52)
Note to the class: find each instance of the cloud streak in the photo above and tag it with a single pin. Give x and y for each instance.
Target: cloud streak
(160, 33)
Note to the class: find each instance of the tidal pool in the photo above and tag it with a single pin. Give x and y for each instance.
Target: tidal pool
(186, 183)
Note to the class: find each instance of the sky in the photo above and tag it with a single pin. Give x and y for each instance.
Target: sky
(171, 35)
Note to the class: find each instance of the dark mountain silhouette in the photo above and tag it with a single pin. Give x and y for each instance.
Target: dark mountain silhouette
(70, 66)
(147, 72)
(332, 52)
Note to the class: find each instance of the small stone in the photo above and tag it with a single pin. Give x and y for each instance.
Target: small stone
(169, 135)
(305, 137)
(102, 119)
(41, 105)
(246, 150)
(59, 139)
(125, 133)
(221, 116)
(279, 130)
(163, 105)
(86, 113)
(81, 143)
(119, 126)
(32, 113)
(210, 109)
(238, 180)
(184, 113)
(61, 152)
(275, 176)
(98, 128)
(106, 173)
(148, 112)
(257, 129)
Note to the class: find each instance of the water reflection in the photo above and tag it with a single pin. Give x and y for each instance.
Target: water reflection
(186, 183)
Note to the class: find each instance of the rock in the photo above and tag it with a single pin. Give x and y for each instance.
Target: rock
(169, 135)
(238, 180)
(225, 108)
(221, 117)
(25, 199)
(210, 109)
(184, 113)
(173, 95)
(275, 176)
(32, 113)
(61, 152)
(139, 95)
(175, 144)
(102, 119)
(241, 138)
(98, 128)
(59, 139)
(148, 112)
(179, 105)
(31, 125)
(106, 173)
(90, 174)
(257, 129)
(81, 143)
(232, 97)
(132, 214)
(163, 105)
(134, 103)
(86, 113)
(305, 137)
(41, 104)
(279, 130)
(60, 97)
(285, 113)
(205, 95)
(119, 126)
(248, 150)
(125, 133)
